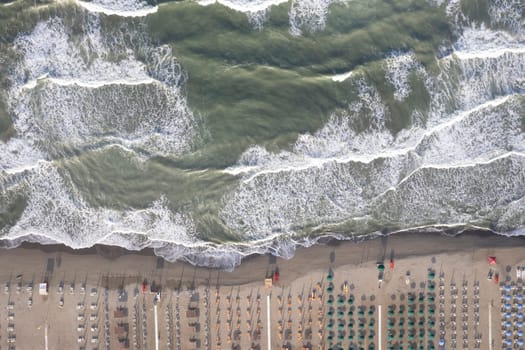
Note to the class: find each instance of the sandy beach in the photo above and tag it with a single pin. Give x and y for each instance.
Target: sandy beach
(326, 297)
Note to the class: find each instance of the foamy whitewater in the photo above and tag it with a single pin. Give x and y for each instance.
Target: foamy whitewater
(459, 164)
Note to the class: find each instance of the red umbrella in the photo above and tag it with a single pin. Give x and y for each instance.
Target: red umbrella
(492, 260)
(276, 275)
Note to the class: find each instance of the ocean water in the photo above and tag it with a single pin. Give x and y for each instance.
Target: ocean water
(212, 130)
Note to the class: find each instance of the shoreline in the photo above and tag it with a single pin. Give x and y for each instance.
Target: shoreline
(108, 260)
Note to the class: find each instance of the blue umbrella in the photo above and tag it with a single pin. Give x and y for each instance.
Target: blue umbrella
(508, 297)
(507, 315)
(520, 342)
(520, 315)
(508, 324)
(507, 288)
(520, 306)
(508, 334)
(508, 306)
(519, 324)
(519, 297)
(441, 342)
(508, 342)
(520, 333)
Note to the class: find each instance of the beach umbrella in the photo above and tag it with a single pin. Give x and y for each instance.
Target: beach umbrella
(330, 276)
(520, 333)
(508, 334)
(350, 299)
(508, 306)
(508, 324)
(508, 297)
(441, 342)
(519, 306)
(380, 267)
(508, 342)
(341, 337)
(492, 260)
(519, 297)
(519, 315)
(519, 324)
(520, 342)
(340, 313)
(340, 301)
(507, 288)
(361, 312)
(330, 312)
(350, 313)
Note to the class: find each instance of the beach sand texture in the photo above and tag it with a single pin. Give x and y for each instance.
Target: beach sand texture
(327, 297)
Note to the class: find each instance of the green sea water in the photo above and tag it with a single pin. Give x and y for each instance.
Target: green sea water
(255, 143)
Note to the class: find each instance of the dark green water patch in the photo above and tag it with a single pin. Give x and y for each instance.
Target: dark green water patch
(266, 86)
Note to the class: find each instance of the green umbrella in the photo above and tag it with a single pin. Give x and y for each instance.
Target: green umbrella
(381, 267)
(431, 274)
(350, 299)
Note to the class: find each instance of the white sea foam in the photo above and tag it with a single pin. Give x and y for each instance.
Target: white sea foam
(247, 6)
(67, 92)
(56, 210)
(398, 67)
(17, 155)
(509, 14)
(486, 43)
(342, 77)
(309, 15)
(123, 8)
